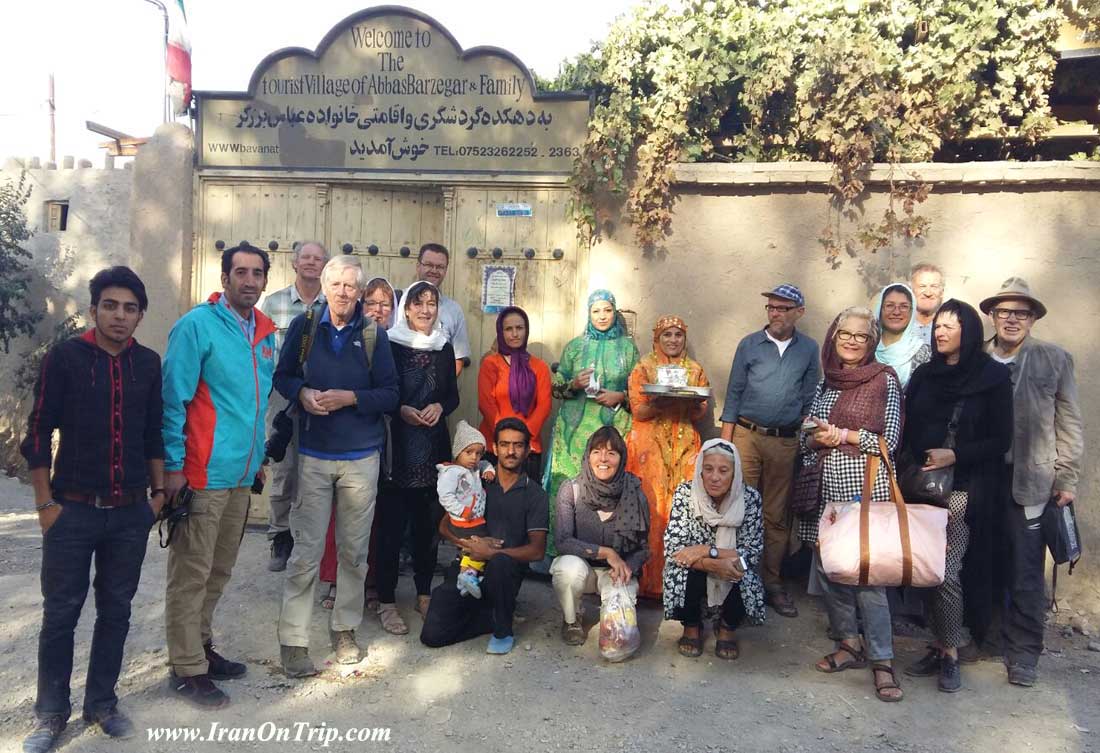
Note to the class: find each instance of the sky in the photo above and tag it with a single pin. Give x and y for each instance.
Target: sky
(107, 55)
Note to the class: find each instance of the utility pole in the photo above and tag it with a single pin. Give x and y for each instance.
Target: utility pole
(53, 123)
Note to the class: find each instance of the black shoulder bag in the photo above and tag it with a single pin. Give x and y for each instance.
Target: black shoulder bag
(931, 487)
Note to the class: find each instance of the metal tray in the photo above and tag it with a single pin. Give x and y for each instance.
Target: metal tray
(691, 393)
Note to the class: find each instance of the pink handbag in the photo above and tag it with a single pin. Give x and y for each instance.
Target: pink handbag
(883, 544)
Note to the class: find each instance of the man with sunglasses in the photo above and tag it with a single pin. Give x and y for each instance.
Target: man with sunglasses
(772, 382)
(1042, 466)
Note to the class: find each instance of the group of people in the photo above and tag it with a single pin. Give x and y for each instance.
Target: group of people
(627, 495)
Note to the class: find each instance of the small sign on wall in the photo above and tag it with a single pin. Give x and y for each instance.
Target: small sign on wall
(498, 286)
(514, 210)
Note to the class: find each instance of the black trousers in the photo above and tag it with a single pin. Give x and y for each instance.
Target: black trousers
(453, 618)
(691, 613)
(115, 539)
(396, 507)
(1025, 602)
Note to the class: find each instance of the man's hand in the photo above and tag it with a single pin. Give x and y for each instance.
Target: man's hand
(411, 416)
(334, 400)
(48, 516)
(1063, 498)
(309, 399)
(481, 548)
(431, 414)
(173, 482)
(620, 571)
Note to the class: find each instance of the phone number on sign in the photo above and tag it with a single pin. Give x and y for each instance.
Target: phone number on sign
(506, 151)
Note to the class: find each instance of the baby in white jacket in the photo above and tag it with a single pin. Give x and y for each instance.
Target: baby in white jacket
(463, 498)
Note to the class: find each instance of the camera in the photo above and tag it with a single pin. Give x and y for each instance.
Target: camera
(173, 513)
(282, 431)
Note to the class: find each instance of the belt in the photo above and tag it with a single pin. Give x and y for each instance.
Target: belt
(131, 497)
(786, 432)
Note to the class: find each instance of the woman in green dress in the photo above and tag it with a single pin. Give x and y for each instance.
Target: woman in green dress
(592, 384)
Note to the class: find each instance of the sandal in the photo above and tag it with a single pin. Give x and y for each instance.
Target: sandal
(329, 601)
(891, 684)
(391, 619)
(858, 660)
(726, 648)
(692, 648)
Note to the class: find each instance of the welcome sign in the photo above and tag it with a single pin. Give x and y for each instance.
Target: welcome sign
(389, 89)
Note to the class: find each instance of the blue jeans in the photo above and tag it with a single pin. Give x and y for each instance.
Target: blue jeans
(851, 608)
(116, 538)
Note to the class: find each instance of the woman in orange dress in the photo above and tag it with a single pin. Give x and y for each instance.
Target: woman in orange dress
(512, 383)
(663, 440)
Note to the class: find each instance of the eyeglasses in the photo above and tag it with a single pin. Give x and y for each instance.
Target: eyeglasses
(860, 337)
(433, 267)
(378, 304)
(778, 309)
(1021, 316)
(899, 308)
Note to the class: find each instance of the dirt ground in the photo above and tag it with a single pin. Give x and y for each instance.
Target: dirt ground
(545, 696)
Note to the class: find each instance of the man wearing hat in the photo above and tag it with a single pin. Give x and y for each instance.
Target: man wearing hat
(772, 381)
(1042, 466)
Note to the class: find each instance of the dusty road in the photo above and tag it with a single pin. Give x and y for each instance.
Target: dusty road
(544, 696)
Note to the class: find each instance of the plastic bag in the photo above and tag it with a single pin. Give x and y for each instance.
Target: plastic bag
(619, 635)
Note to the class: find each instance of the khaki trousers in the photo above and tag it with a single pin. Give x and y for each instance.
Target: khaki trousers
(767, 463)
(573, 577)
(355, 483)
(200, 561)
(282, 477)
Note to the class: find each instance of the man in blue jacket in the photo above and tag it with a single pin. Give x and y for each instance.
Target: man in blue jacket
(217, 375)
(336, 364)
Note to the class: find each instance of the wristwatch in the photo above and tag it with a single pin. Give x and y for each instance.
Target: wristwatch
(713, 552)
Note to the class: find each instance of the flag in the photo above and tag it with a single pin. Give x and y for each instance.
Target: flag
(178, 62)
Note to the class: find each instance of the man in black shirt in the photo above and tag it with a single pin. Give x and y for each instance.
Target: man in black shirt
(102, 392)
(517, 517)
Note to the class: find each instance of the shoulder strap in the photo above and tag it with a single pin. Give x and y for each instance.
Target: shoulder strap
(953, 425)
(308, 334)
(369, 337)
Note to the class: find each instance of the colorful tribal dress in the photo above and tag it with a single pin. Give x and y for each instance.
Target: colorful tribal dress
(661, 451)
(613, 355)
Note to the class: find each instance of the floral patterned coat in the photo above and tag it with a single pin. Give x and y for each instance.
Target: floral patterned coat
(685, 529)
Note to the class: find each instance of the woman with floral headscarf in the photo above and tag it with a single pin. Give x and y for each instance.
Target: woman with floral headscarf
(663, 441)
(591, 383)
(512, 383)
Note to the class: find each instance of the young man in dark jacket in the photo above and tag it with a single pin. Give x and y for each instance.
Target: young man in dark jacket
(343, 388)
(102, 392)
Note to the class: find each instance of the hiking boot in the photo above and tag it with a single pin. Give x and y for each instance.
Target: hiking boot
(221, 668)
(1023, 675)
(198, 691)
(572, 633)
(296, 661)
(347, 650)
(281, 547)
(112, 721)
(782, 603)
(927, 665)
(44, 735)
(950, 676)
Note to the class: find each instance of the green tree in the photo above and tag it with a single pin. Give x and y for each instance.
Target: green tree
(17, 315)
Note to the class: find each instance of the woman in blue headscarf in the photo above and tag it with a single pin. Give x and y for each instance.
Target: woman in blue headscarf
(592, 384)
(902, 345)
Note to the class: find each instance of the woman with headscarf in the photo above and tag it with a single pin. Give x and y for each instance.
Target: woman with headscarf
(512, 383)
(663, 440)
(712, 547)
(428, 390)
(379, 303)
(902, 346)
(602, 530)
(591, 382)
(857, 403)
(962, 385)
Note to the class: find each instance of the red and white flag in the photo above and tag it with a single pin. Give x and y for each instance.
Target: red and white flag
(179, 57)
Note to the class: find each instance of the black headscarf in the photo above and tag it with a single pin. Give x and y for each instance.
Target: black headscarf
(621, 494)
(975, 371)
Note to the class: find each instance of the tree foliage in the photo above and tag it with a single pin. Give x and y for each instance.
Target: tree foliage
(17, 315)
(848, 82)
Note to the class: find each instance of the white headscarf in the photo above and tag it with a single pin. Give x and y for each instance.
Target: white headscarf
(900, 354)
(405, 335)
(727, 515)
